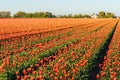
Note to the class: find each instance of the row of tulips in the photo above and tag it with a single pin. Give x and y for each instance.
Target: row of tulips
(110, 68)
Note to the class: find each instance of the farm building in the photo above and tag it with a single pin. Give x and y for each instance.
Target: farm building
(94, 16)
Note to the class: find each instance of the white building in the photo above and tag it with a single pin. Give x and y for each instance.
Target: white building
(94, 16)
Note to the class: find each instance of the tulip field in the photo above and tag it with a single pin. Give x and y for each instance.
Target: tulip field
(60, 49)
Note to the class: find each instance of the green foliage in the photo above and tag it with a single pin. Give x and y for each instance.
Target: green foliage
(86, 16)
(75, 16)
(21, 14)
(103, 14)
(78, 16)
(5, 14)
(110, 15)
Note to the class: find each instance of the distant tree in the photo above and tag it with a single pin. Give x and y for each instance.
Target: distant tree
(28, 15)
(102, 14)
(36, 15)
(86, 16)
(43, 14)
(110, 15)
(65, 16)
(49, 15)
(78, 16)
(70, 16)
(62, 16)
(54, 16)
(5, 14)
(20, 14)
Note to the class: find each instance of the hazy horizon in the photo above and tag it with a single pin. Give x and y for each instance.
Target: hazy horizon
(61, 7)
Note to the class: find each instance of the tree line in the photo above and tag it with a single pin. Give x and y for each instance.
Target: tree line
(21, 14)
(103, 14)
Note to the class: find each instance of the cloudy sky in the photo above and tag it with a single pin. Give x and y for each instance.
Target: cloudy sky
(61, 6)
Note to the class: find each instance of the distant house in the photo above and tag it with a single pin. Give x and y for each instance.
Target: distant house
(94, 16)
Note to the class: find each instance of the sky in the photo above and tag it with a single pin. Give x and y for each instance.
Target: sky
(62, 7)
